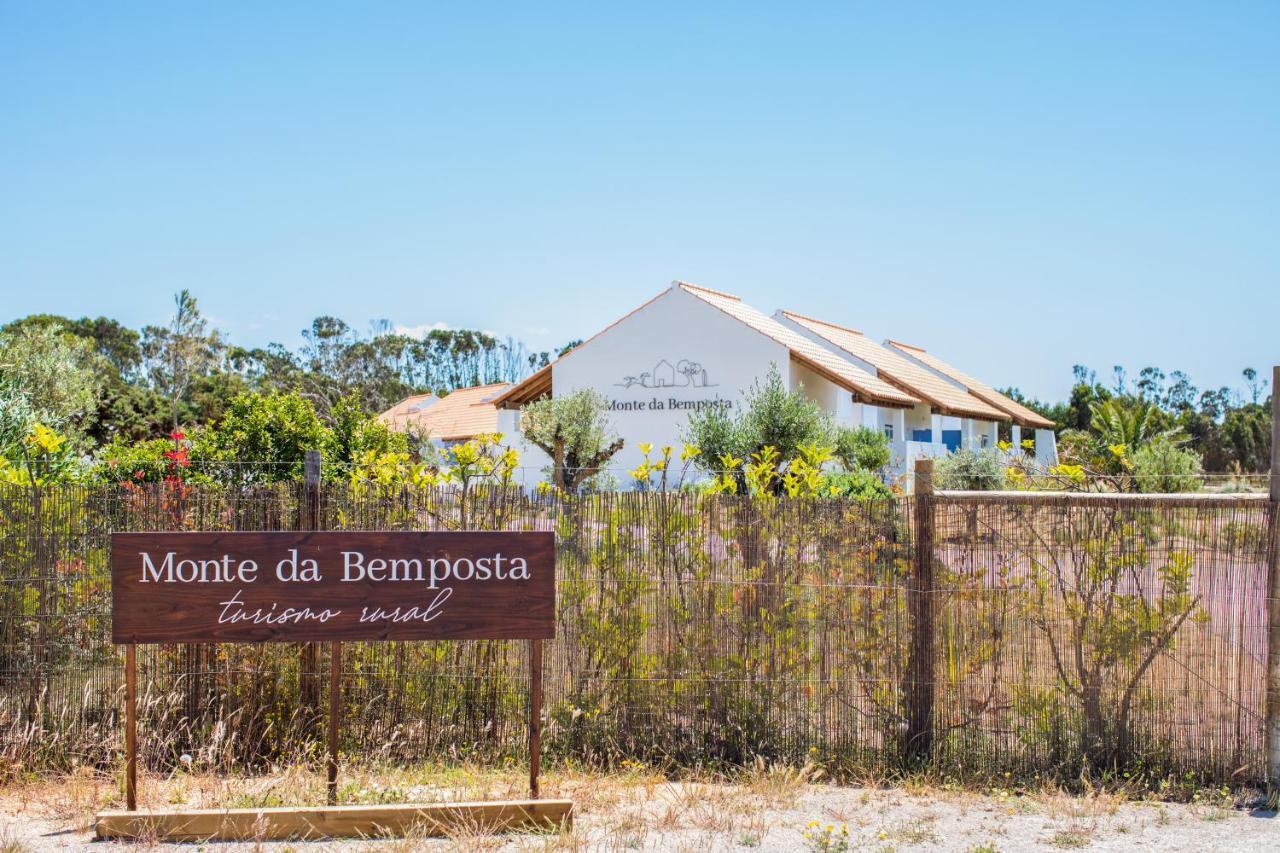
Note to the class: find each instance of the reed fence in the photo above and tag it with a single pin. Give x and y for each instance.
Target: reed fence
(1028, 634)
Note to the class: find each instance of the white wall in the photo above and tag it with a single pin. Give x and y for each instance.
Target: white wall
(919, 417)
(532, 459)
(674, 330)
(1046, 447)
(817, 388)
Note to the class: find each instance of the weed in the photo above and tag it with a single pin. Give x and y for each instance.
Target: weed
(10, 843)
(913, 833)
(1069, 839)
(827, 838)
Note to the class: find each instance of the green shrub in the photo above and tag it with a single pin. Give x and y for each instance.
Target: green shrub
(354, 433)
(771, 416)
(270, 432)
(861, 448)
(1161, 466)
(857, 484)
(132, 461)
(970, 470)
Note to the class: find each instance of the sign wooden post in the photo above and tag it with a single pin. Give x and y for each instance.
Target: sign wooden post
(313, 586)
(131, 726)
(335, 709)
(535, 715)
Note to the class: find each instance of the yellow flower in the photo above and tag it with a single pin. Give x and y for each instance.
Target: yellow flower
(646, 447)
(1028, 444)
(689, 452)
(45, 439)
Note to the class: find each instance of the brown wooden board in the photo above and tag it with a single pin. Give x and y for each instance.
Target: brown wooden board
(282, 823)
(306, 585)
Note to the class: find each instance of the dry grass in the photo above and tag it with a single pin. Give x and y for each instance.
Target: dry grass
(764, 806)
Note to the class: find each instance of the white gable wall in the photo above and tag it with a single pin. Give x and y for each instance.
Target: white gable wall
(659, 362)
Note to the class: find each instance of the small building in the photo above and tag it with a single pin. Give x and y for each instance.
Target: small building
(692, 347)
(462, 414)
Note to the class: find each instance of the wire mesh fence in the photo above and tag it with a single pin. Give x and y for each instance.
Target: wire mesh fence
(1051, 634)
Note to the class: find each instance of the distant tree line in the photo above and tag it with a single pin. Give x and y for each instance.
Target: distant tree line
(101, 381)
(1228, 428)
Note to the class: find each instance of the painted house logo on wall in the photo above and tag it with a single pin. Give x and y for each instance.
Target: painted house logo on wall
(683, 374)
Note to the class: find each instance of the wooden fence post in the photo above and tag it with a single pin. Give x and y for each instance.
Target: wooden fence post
(918, 740)
(1273, 601)
(309, 519)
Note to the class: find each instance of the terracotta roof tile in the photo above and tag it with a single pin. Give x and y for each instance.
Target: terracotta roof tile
(892, 367)
(1015, 410)
(838, 370)
(463, 413)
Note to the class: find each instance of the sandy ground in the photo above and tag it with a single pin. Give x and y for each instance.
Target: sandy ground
(765, 810)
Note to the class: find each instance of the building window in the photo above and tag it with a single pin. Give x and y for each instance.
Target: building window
(888, 431)
(986, 439)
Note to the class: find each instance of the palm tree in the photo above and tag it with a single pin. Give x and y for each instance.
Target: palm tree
(1121, 426)
(1132, 423)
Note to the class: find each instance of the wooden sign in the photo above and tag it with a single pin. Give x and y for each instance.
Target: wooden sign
(306, 585)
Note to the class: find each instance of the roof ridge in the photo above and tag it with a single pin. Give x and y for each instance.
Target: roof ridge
(905, 345)
(798, 316)
(690, 286)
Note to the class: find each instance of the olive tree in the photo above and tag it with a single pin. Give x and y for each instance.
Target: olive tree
(52, 371)
(574, 431)
(771, 416)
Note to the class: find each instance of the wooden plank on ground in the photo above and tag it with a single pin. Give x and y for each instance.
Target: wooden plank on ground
(280, 823)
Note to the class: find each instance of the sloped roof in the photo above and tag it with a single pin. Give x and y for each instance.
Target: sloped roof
(463, 413)
(1015, 410)
(414, 403)
(840, 371)
(533, 386)
(941, 395)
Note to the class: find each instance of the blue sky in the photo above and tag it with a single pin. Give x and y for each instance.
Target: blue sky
(1018, 187)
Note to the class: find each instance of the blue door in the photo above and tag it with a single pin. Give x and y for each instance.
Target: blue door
(925, 435)
(951, 438)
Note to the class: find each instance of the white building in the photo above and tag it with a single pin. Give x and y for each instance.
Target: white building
(691, 347)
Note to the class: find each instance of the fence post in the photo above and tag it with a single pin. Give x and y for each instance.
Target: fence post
(918, 743)
(309, 519)
(1273, 600)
